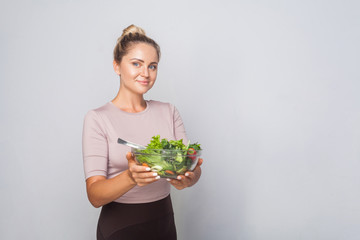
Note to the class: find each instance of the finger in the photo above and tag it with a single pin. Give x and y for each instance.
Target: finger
(182, 180)
(186, 181)
(138, 168)
(197, 169)
(133, 166)
(178, 184)
(200, 161)
(131, 160)
(145, 175)
(174, 182)
(190, 175)
(145, 181)
(130, 157)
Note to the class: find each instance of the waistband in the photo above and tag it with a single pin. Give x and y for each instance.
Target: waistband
(121, 215)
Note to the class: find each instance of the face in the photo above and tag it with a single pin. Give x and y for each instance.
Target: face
(138, 68)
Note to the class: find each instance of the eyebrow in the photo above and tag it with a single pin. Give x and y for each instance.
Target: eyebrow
(140, 60)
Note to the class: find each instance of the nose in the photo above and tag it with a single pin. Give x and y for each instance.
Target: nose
(144, 71)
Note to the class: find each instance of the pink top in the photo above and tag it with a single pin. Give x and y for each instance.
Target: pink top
(103, 156)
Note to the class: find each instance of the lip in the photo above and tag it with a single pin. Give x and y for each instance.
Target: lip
(143, 82)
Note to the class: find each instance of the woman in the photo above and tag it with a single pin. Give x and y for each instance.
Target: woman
(135, 201)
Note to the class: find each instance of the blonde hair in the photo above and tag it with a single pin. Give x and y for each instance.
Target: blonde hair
(132, 35)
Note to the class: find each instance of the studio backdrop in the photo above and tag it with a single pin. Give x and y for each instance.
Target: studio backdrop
(269, 88)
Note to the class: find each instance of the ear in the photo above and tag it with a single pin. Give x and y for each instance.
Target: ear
(116, 67)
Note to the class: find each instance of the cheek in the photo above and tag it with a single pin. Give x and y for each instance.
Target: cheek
(154, 75)
(130, 75)
(133, 72)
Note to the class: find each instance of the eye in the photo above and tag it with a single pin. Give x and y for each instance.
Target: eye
(136, 64)
(152, 67)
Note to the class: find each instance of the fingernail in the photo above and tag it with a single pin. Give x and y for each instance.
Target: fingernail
(155, 174)
(168, 179)
(187, 174)
(158, 177)
(147, 169)
(179, 178)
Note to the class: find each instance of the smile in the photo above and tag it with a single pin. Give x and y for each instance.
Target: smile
(143, 82)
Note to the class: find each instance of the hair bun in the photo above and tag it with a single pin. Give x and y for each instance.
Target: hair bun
(132, 29)
(132, 35)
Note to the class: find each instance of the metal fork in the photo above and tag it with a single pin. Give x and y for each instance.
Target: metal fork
(130, 144)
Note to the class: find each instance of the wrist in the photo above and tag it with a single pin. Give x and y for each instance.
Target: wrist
(131, 180)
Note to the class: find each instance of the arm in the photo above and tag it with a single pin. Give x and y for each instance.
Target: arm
(102, 191)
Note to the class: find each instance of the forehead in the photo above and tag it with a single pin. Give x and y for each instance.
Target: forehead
(142, 51)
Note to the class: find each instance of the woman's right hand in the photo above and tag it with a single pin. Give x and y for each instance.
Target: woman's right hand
(141, 175)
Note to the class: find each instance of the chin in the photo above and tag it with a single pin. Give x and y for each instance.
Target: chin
(143, 91)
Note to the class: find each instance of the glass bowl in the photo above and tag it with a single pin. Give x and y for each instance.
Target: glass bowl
(167, 163)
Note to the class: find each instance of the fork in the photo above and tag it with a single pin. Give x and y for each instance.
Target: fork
(130, 144)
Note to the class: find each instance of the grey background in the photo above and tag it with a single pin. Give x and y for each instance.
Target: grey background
(270, 89)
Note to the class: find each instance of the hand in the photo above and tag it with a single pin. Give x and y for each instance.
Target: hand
(141, 175)
(189, 179)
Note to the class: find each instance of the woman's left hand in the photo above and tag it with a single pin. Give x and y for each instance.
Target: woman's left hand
(189, 179)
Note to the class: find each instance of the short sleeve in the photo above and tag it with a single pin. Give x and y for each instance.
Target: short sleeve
(179, 128)
(95, 146)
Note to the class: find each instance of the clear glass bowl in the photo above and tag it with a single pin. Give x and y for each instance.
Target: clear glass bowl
(167, 163)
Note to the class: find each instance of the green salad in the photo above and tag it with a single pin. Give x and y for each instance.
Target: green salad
(168, 158)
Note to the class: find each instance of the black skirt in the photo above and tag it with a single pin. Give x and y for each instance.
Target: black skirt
(153, 220)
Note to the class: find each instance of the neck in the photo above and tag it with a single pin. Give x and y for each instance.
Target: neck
(129, 102)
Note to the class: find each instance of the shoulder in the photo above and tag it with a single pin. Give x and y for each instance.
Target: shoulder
(161, 105)
(158, 104)
(97, 113)
(164, 109)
